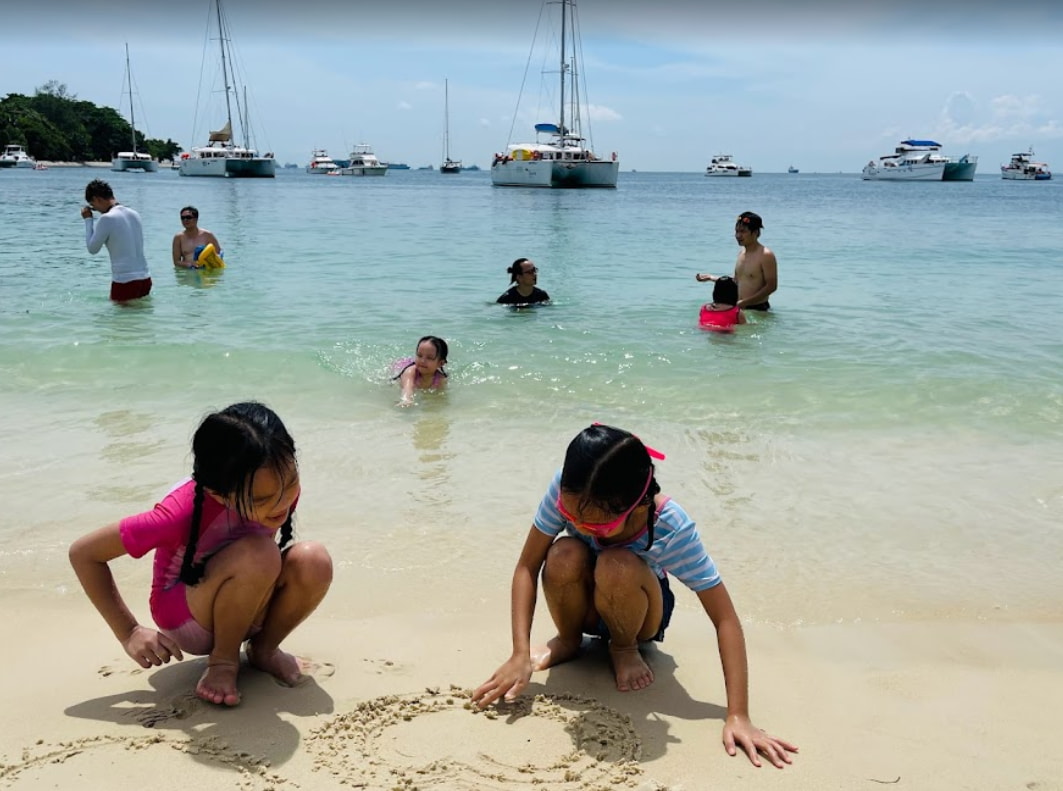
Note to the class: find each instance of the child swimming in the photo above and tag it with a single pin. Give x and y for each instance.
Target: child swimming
(423, 372)
(220, 575)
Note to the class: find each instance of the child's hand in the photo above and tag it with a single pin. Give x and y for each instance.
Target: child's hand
(148, 647)
(755, 742)
(509, 681)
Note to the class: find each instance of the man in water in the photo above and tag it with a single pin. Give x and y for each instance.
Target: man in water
(756, 269)
(120, 229)
(188, 243)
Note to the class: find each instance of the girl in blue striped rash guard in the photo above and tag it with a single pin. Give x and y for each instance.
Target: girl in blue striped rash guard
(606, 541)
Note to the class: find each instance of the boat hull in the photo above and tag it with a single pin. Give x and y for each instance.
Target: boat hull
(123, 163)
(364, 170)
(224, 167)
(29, 164)
(911, 172)
(543, 173)
(961, 170)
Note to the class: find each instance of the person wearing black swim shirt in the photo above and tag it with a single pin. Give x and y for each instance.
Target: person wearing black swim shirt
(524, 274)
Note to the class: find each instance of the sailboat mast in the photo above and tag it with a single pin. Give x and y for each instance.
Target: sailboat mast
(129, 78)
(446, 121)
(224, 65)
(564, 10)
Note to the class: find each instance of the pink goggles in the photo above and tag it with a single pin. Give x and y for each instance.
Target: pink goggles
(604, 529)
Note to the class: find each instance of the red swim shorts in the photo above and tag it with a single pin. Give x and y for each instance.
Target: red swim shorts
(135, 289)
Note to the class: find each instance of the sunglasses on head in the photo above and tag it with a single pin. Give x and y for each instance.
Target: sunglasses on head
(604, 529)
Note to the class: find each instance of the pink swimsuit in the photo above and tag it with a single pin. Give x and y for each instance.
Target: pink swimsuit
(718, 320)
(166, 529)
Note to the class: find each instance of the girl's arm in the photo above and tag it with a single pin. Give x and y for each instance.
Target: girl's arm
(407, 380)
(738, 728)
(513, 676)
(89, 556)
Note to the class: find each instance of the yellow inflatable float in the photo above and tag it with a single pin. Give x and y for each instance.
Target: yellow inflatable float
(209, 258)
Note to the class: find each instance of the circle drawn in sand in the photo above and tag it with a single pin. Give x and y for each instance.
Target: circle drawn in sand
(418, 741)
(94, 759)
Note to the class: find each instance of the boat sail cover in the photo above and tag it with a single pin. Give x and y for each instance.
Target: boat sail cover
(223, 135)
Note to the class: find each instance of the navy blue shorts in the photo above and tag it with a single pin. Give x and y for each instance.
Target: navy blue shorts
(669, 604)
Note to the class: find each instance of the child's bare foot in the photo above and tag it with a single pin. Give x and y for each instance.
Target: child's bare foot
(632, 672)
(284, 667)
(553, 653)
(218, 682)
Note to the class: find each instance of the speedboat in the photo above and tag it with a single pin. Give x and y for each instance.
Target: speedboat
(1023, 168)
(566, 158)
(920, 160)
(724, 165)
(321, 163)
(364, 163)
(15, 156)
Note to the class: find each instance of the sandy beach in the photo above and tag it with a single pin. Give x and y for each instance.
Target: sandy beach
(905, 705)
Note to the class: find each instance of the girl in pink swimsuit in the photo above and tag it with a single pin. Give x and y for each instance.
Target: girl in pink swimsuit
(423, 372)
(220, 575)
(723, 313)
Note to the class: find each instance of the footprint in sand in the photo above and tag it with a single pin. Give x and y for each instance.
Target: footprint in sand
(383, 665)
(178, 708)
(311, 669)
(107, 671)
(563, 742)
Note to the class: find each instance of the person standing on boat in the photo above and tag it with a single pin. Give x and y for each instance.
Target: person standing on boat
(120, 229)
(756, 269)
(525, 275)
(189, 242)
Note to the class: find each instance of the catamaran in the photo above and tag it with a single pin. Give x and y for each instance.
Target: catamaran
(566, 159)
(221, 156)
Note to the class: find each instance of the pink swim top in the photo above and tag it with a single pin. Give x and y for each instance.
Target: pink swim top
(718, 320)
(399, 367)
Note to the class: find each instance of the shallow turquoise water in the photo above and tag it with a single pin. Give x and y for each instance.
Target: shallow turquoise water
(907, 380)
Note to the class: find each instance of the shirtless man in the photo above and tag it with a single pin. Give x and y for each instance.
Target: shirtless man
(186, 242)
(756, 269)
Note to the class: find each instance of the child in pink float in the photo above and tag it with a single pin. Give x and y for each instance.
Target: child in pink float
(423, 372)
(220, 576)
(723, 313)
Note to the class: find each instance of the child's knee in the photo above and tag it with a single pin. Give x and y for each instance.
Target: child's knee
(308, 564)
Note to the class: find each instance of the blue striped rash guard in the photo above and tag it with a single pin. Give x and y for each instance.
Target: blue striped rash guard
(676, 549)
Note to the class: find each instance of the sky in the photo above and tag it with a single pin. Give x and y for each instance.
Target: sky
(824, 85)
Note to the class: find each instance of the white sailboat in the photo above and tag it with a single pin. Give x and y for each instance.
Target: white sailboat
(221, 157)
(449, 165)
(566, 159)
(132, 159)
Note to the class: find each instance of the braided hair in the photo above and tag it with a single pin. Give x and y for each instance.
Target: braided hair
(607, 467)
(228, 448)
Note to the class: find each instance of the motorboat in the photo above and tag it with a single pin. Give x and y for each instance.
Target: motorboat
(321, 164)
(363, 162)
(792, 170)
(221, 156)
(920, 160)
(449, 165)
(566, 158)
(15, 156)
(133, 159)
(724, 165)
(1023, 168)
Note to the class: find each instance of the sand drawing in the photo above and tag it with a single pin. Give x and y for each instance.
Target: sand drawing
(439, 739)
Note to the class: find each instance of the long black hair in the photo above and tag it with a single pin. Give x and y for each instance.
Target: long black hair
(725, 292)
(607, 467)
(228, 448)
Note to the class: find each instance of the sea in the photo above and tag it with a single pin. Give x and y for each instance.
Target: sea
(885, 444)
